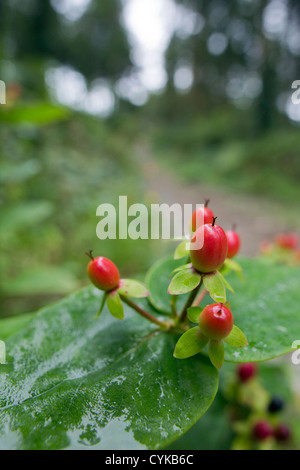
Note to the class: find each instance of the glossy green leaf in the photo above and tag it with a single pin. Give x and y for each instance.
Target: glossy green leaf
(114, 305)
(133, 289)
(190, 343)
(194, 314)
(236, 338)
(157, 281)
(182, 250)
(265, 308)
(9, 326)
(215, 287)
(216, 353)
(79, 383)
(212, 432)
(183, 282)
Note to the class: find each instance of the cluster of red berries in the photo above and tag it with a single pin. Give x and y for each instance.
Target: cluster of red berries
(263, 428)
(285, 247)
(216, 321)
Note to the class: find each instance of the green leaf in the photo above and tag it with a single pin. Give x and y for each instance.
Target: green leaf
(79, 383)
(115, 305)
(194, 314)
(225, 282)
(215, 287)
(212, 432)
(9, 326)
(190, 343)
(233, 265)
(183, 282)
(181, 250)
(181, 268)
(103, 301)
(236, 338)
(216, 353)
(133, 289)
(157, 281)
(266, 309)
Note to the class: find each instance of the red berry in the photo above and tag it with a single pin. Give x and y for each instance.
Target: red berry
(262, 430)
(246, 371)
(214, 250)
(103, 273)
(202, 213)
(289, 241)
(216, 321)
(282, 433)
(234, 243)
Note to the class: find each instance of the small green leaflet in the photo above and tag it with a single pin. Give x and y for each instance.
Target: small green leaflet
(236, 338)
(190, 343)
(216, 353)
(104, 298)
(233, 265)
(133, 289)
(181, 268)
(115, 305)
(182, 250)
(215, 287)
(184, 281)
(194, 314)
(225, 282)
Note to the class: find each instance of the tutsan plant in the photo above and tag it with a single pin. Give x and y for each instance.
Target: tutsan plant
(73, 381)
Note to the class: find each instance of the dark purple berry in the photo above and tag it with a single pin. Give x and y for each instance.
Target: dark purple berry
(276, 405)
(282, 433)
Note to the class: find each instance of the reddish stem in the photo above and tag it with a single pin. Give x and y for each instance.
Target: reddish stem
(200, 297)
(143, 312)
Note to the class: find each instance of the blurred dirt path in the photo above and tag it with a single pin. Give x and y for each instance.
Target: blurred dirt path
(257, 218)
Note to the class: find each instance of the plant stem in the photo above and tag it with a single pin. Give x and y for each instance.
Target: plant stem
(189, 302)
(145, 314)
(200, 297)
(173, 305)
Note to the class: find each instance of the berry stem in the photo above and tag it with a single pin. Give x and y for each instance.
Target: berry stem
(173, 305)
(200, 297)
(148, 316)
(90, 255)
(214, 221)
(189, 302)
